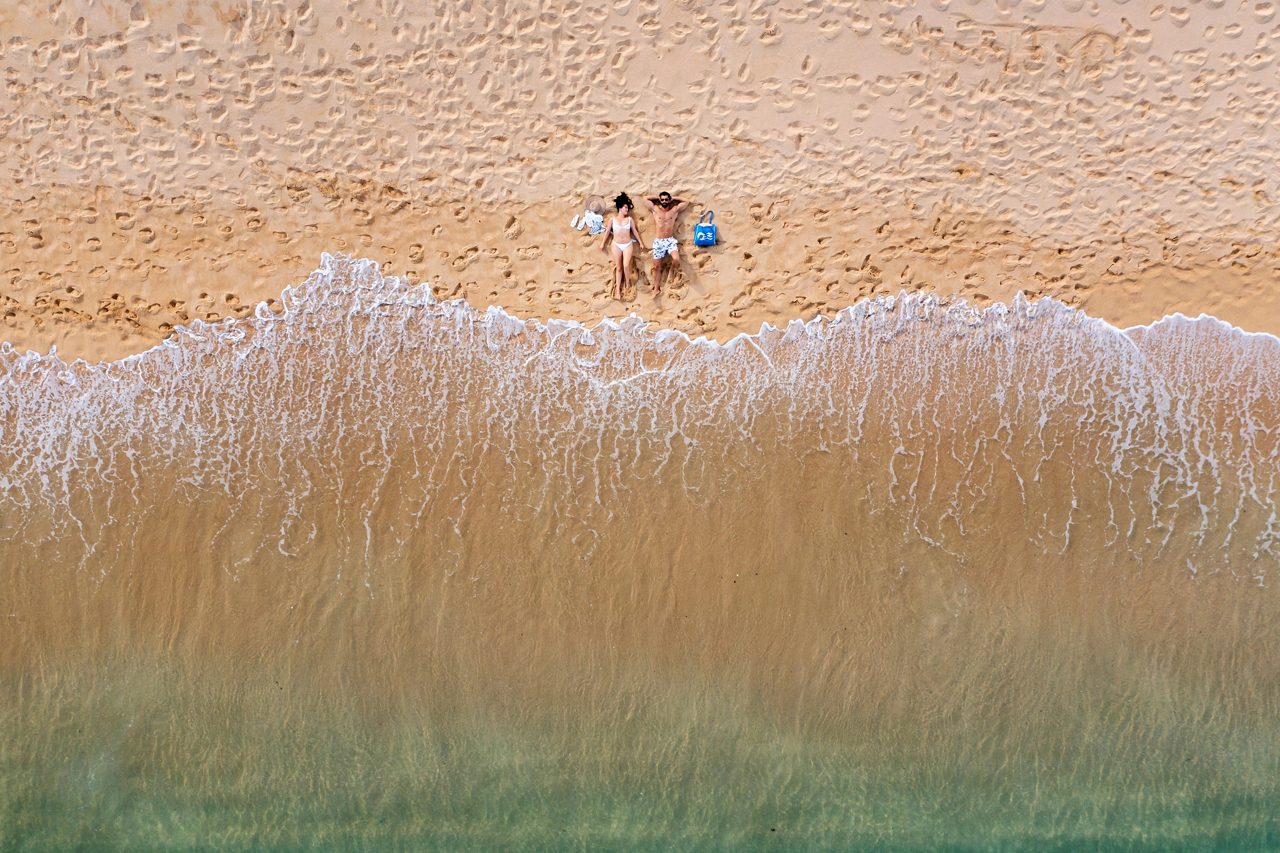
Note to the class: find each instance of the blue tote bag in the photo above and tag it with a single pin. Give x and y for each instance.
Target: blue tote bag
(704, 233)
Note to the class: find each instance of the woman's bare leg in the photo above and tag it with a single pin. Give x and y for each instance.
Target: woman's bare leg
(626, 264)
(619, 274)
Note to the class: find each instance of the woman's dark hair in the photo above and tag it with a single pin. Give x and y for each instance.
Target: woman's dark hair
(622, 199)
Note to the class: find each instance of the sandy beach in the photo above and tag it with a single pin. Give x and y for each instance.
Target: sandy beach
(345, 564)
(172, 161)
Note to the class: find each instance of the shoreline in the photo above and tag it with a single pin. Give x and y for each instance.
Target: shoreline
(173, 161)
(1020, 303)
(98, 291)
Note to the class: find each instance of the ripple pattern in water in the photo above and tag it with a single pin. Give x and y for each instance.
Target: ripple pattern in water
(382, 569)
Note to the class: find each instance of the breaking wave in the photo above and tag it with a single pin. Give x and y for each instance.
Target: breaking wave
(1159, 439)
(381, 569)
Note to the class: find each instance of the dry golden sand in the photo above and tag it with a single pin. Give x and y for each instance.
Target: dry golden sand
(165, 161)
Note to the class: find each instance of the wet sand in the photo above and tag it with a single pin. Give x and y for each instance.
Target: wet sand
(345, 565)
(171, 161)
(384, 570)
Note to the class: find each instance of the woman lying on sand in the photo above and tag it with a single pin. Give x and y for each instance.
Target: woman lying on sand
(625, 236)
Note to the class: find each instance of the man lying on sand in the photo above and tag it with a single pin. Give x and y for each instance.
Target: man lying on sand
(665, 211)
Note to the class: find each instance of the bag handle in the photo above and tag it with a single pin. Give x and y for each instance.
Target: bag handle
(709, 215)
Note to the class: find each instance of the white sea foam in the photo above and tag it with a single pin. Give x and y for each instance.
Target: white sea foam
(938, 405)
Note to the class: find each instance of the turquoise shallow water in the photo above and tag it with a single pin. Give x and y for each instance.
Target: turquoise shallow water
(389, 573)
(230, 776)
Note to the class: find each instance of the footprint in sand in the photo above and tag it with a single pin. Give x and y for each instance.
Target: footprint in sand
(465, 259)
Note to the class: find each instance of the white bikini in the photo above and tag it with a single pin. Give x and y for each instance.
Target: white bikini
(624, 230)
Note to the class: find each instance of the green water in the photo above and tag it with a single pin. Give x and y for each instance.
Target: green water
(380, 576)
(145, 758)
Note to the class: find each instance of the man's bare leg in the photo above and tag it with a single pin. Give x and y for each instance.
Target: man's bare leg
(659, 267)
(670, 264)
